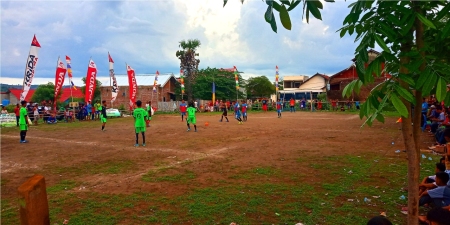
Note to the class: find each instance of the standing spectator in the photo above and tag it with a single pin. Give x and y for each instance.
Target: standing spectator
(17, 112)
(357, 105)
(196, 105)
(35, 115)
(333, 104)
(278, 105)
(183, 107)
(4, 111)
(216, 106)
(303, 104)
(349, 104)
(244, 110)
(228, 104)
(292, 104)
(319, 105)
(424, 109)
(94, 111)
(88, 110)
(264, 105)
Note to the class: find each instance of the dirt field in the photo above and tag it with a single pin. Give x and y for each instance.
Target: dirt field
(175, 162)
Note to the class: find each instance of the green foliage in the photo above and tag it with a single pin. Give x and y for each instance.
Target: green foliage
(44, 92)
(188, 63)
(97, 92)
(259, 87)
(224, 80)
(10, 108)
(122, 107)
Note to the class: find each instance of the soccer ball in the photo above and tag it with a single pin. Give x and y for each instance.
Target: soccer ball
(206, 124)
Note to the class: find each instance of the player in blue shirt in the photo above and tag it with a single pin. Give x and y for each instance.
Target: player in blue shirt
(244, 110)
(237, 112)
(279, 108)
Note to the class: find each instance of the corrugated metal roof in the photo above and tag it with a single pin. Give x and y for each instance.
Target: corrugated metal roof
(144, 79)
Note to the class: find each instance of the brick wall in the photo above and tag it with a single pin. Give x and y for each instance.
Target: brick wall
(362, 96)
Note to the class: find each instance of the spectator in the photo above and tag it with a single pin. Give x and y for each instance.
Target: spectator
(437, 216)
(319, 105)
(4, 111)
(437, 121)
(51, 119)
(429, 182)
(35, 115)
(333, 104)
(357, 105)
(264, 105)
(89, 110)
(439, 196)
(379, 220)
(292, 104)
(17, 112)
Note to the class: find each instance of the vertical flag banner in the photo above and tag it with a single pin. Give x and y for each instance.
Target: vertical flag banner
(182, 81)
(29, 67)
(133, 85)
(69, 72)
(276, 78)
(213, 92)
(59, 79)
(115, 88)
(156, 81)
(90, 81)
(236, 77)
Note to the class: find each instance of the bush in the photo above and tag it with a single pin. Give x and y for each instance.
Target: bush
(121, 107)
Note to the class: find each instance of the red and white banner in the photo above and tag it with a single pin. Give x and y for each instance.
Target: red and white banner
(133, 85)
(59, 79)
(29, 67)
(90, 81)
(114, 88)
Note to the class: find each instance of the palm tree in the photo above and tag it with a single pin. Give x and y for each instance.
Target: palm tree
(188, 62)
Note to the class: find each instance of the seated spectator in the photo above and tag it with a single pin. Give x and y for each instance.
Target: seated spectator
(435, 122)
(443, 136)
(67, 116)
(439, 196)
(51, 119)
(429, 182)
(379, 220)
(4, 111)
(436, 216)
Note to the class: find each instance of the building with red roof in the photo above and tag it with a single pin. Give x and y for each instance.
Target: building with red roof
(13, 95)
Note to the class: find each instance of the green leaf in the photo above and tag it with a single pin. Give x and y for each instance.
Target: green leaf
(399, 106)
(425, 21)
(409, 23)
(446, 31)
(429, 84)
(363, 55)
(357, 87)
(269, 2)
(381, 43)
(367, 16)
(276, 6)
(407, 79)
(447, 99)
(292, 6)
(380, 117)
(269, 14)
(351, 28)
(348, 19)
(286, 2)
(285, 19)
(387, 31)
(318, 4)
(273, 24)
(343, 31)
(441, 89)
(404, 93)
(329, 0)
(224, 2)
(311, 7)
(362, 110)
(348, 89)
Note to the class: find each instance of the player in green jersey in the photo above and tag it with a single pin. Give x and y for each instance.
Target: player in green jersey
(23, 122)
(103, 116)
(140, 116)
(191, 116)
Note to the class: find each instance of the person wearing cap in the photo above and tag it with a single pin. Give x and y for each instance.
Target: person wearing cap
(140, 116)
(23, 122)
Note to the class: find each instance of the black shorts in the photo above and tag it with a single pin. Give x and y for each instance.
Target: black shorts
(225, 113)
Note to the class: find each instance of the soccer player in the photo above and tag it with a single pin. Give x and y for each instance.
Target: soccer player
(149, 112)
(23, 122)
(140, 116)
(244, 110)
(237, 112)
(102, 109)
(191, 116)
(224, 109)
(183, 108)
(279, 108)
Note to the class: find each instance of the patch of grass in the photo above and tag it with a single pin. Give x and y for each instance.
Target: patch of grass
(110, 167)
(153, 176)
(255, 173)
(9, 212)
(63, 185)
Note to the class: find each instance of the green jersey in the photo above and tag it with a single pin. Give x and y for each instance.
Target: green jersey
(191, 112)
(139, 115)
(23, 115)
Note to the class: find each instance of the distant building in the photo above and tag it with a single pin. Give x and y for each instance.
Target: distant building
(165, 89)
(13, 95)
(342, 78)
(299, 87)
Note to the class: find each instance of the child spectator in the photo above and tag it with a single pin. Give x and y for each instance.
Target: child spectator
(303, 104)
(183, 108)
(439, 196)
(279, 108)
(264, 105)
(292, 105)
(140, 116)
(191, 117)
(36, 115)
(4, 111)
(51, 119)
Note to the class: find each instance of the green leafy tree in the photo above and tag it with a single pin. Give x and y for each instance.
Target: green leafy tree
(224, 81)
(44, 92)
(259, 87)
(97, 92)
(414, 36)
(188, 63)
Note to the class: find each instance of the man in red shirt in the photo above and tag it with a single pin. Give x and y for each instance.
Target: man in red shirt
(17, 112)
(292, 104)
(183, 108)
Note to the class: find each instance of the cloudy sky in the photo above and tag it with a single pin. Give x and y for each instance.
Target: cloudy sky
(145, 34)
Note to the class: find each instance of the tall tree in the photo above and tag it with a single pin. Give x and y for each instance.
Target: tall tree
(414, 37)
(188, 63)
(97, 92)
(44, 92)
(259, 87)
(224, 82)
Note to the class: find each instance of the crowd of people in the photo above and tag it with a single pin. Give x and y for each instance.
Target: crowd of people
(436, 120)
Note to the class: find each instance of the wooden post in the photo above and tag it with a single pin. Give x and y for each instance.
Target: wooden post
(33, 202)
